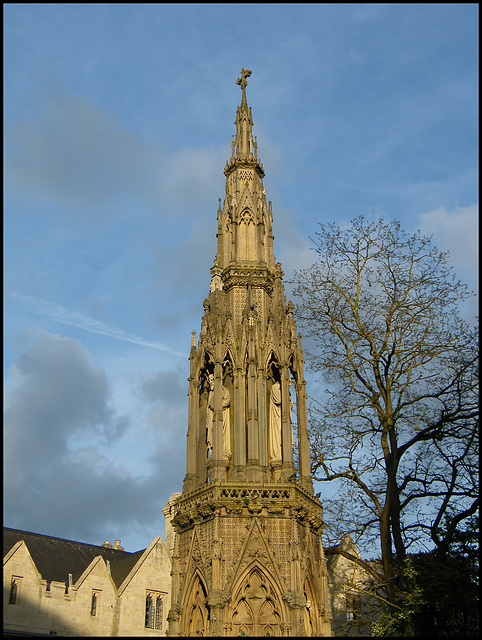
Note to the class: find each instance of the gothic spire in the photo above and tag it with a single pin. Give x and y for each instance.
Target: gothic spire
(244, 221)
(244, 147)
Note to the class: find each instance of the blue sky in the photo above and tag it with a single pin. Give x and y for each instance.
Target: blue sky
(118, 121)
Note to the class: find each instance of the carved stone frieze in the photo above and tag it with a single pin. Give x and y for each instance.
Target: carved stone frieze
(242, 276)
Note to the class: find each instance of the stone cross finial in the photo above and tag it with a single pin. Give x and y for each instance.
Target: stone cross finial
(245, 73)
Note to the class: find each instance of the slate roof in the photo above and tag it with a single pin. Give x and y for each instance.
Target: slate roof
(55, 558)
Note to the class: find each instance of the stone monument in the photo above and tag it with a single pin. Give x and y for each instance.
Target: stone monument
(248, 558)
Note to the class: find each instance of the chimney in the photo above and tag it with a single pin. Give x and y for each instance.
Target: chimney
(117, 545)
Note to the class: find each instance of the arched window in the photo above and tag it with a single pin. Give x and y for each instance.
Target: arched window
(149, 624)
(247, 236)
(154, 610)
(13, 591)
(93, 604)
(158, 621)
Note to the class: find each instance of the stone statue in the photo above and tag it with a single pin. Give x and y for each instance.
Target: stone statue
(275, 456)
(226, 421)
(217, 548)
(216, 284)
(210, 415)
(226, 424)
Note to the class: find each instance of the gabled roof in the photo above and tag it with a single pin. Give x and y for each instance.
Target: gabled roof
(122, 578)
(333, 556)
(120, 569)
(56, 558)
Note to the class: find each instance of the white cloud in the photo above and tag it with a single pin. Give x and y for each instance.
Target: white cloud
(456, 231)
(77, 319)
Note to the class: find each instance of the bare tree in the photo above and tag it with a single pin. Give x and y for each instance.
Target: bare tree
(398, 429)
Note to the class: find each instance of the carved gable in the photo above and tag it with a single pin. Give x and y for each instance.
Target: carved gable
(255, 548)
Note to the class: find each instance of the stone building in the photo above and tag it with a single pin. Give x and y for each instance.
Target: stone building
(248, 557)
(60, 587)
(353, 591)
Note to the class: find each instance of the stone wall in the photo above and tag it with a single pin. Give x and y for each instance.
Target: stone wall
(92, 605)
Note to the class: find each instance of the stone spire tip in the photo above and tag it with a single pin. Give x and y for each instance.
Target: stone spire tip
(245, 73)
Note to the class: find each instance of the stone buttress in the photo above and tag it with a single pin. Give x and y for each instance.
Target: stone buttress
(248, 558)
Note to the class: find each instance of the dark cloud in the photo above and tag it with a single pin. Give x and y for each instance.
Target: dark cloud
(165, 396)
(55, 488)
(59, 391)
(167, 386)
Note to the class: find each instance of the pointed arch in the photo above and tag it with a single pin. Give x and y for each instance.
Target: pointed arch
(247, 236)
(294, 406)
(228, 360)
(310, 611)
(271, 360)
(195, 608)
(292, 367)
(257, 607)
(206, 364)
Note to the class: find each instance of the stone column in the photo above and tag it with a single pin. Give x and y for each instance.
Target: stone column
(217, 465)
(174, 612)
(169, 512)
(239, 444)
(191, 480)
(303, 442)
(252, 467)
(201, 437)
(288, 466)
(263, 415)
(217, 600)
(296, 586)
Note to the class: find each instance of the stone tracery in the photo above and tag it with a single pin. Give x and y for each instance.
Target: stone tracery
(257, 609)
